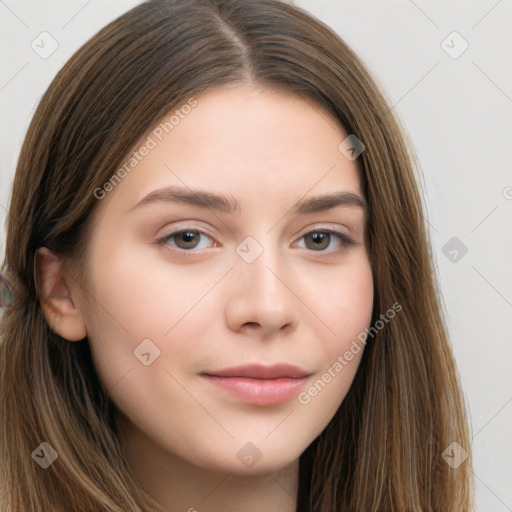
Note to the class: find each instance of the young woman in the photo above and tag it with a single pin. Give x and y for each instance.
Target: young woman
(218, 289)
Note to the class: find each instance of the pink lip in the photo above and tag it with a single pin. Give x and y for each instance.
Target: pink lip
(260, 385)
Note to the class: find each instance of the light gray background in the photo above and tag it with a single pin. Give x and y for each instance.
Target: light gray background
(458, 114)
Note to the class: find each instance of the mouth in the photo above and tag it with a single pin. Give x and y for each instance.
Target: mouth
(259, 384)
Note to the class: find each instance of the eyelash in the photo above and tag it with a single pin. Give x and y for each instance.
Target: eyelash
(345, 240)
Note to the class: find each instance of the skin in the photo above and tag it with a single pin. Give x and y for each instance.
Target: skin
(211, 309)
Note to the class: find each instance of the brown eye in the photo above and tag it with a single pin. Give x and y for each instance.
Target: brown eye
(319, 240)
(189, 239)
(184, 240)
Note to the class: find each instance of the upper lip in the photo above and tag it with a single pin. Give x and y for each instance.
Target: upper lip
(259, 371)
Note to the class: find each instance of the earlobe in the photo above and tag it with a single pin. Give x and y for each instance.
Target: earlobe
(54, 292)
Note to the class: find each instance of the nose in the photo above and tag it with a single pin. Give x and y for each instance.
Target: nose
(262, 296)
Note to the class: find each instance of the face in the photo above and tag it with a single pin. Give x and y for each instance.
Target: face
(215, 318)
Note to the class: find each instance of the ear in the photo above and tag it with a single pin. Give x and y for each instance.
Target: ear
(54, 292)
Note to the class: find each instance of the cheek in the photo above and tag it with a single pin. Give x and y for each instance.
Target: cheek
(346, 304)
(347, 309)
(148, 296)
(135, 302)
(354, 300)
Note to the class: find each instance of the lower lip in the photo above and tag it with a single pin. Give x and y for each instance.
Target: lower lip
(259, 391)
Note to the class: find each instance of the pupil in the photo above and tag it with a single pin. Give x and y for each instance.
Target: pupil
(187, 235)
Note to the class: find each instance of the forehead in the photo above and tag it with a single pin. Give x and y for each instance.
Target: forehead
(258, 145)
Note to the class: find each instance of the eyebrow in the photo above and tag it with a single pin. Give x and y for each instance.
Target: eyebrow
(229, 205)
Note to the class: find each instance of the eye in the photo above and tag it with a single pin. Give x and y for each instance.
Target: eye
(321, 239)
(184, 239)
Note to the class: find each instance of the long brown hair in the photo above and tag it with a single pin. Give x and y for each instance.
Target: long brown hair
(383, 449)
